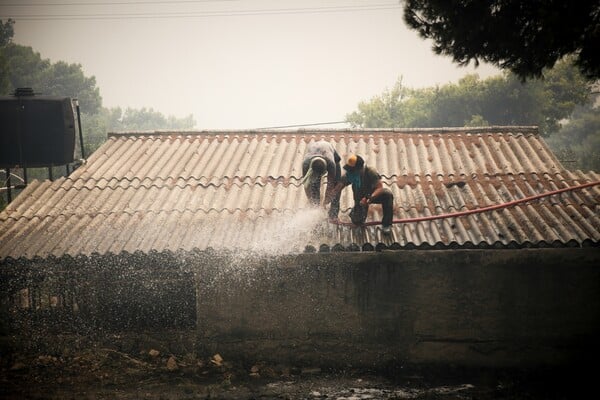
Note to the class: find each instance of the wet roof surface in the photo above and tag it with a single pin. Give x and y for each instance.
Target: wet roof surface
(170, 191)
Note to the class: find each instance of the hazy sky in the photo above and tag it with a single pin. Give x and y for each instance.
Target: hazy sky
(236, 64)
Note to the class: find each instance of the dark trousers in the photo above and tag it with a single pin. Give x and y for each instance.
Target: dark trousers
(314, 189)
(358, 214)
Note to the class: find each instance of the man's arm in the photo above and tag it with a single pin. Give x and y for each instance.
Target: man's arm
(374, 194)
(378, 189)
(330, 194)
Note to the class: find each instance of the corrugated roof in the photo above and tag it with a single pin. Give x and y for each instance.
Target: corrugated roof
(241, 190)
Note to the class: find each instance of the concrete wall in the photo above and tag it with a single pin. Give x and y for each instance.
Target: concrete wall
(501, 308)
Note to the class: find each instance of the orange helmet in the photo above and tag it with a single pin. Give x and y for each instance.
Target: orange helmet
(353, 162)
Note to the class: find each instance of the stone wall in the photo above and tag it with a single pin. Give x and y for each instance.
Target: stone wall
(499, 308)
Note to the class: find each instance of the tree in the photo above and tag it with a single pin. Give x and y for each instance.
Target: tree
(26, 68)
(147, 119)
(523, 36)
(6, 35)
(499, 100)
(383, 111)
(69, 80)
(560, 105)
(578, 142)
(7, 31)
(96, 126)
(455, 104)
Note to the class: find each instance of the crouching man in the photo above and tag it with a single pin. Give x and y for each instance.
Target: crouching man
(367, 188)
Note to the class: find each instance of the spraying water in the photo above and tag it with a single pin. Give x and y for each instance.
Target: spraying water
(288, 233)
(239, 252)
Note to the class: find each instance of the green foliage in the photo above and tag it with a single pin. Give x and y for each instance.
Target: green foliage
(26, 68)
(383, 111)
(148, 119)
(68, 80)
(565, 88)
(6, 35)
(500, 100)
(476, 120)
(577, 144)
(7, 32)
(562, 95)
(97, 126)
(522, 36)
(452, 105)
(509, 101)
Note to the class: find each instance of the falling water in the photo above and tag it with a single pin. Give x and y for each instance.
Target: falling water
(288, 233)
(273, 236)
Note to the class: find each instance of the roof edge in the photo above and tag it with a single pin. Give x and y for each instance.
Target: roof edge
(368, 248)
(480, 129)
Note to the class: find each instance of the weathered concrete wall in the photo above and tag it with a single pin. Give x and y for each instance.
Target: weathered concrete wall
(503, 308)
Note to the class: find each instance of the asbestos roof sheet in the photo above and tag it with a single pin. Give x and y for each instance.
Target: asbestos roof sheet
(170, 191)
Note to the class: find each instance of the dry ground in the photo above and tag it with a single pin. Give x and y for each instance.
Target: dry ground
(104, 373)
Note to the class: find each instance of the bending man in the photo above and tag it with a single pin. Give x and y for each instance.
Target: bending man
(321, 158)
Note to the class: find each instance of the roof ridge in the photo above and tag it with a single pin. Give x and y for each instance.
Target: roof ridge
(215, 132)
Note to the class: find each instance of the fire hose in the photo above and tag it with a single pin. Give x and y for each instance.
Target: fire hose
(476, 210)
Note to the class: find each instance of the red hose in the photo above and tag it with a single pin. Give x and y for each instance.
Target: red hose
(477, 210)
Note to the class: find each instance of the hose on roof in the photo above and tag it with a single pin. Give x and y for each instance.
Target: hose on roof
(476, 210)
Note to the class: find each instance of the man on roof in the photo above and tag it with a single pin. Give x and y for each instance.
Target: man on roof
(367, 189)
(321, 158)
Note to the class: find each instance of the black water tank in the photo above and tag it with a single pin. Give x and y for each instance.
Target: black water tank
(36, 131)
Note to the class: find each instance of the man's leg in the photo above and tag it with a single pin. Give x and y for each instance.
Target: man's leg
(334, 208)
(313, 189)
(386, 199)
(358, 214)
(315, 192)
